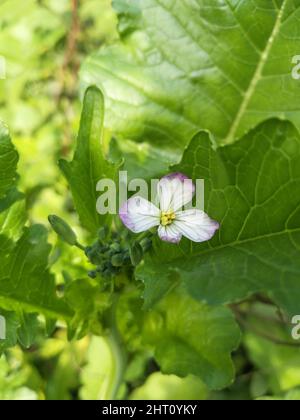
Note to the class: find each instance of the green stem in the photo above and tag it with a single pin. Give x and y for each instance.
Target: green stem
(118, 352)
(144, 235)
(240, 318)
(78, 245)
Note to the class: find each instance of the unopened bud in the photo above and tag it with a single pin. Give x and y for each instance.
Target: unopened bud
(116, 247)
(117, 260)
(63, 230)
(92, 274)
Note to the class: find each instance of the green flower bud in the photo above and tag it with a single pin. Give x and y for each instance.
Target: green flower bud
(92, 274)
(136, 253)
(107, 254)
(94, 256)
(116, 247)
(127, 259)
(63, 230)
(117, 260)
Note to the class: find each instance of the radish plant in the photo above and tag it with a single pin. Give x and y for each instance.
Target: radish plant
(190, 90)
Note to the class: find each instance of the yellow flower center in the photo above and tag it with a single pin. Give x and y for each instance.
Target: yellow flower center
(167, 217)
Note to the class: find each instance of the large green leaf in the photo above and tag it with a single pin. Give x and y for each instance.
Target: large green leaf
(25, 281)
(8, 162)
(89, 164)
(193, 338)
(181, 66)
(252, 188)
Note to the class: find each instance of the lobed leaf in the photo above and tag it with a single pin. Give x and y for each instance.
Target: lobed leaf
(89, 164)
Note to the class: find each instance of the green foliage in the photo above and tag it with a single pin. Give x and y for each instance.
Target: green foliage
(182, 67)
(26, 284)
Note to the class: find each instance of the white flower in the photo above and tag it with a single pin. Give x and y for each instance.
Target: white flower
(174, 192)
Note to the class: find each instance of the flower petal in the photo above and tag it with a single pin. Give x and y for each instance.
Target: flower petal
(139, 215)
(169, 234)
(196, 225)
(174, 191)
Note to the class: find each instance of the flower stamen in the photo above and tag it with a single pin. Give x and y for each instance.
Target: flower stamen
(167, 217)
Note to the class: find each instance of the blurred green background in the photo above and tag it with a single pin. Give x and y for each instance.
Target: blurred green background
(44, 43)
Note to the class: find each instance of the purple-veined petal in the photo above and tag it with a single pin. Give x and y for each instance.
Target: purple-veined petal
(196, 225)
(175, 191)
(169, 234)
(139, 215)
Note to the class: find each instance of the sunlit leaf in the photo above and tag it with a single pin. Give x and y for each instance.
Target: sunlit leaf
(188, 65)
